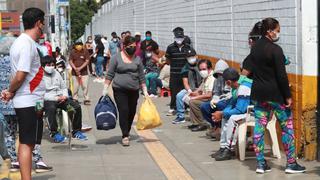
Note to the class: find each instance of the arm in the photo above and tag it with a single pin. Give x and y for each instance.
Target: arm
(84, 65)
(281, 74)
(17, 81)
(186, 84)
(111, 69)
(71, 61)
(240, 108)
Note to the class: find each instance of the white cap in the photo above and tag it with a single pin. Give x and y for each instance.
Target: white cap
(137, 33)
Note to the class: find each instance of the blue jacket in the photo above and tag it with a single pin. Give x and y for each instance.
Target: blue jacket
(240, 98)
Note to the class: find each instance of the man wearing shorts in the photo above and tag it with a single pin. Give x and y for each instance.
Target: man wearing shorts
(27, 87)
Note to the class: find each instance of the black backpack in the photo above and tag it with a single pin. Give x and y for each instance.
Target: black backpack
(105, 113)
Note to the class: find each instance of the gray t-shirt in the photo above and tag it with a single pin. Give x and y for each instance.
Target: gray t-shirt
(127, 76)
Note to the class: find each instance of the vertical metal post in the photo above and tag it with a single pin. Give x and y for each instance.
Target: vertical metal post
(69, 21)
(318, 82)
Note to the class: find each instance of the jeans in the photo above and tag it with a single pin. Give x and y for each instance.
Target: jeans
(207, 111)
(50, 107)
(126, 101)
(180, 103)
(154, 84)
(150, 76)
(99, 64)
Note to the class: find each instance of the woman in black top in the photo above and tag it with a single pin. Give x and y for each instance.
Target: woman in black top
(270, 93)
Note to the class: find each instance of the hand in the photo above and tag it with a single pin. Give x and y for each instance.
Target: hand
(105, 90)
(289, 102)
(6, 95)
(61, 99)
(193, 94)
(217, 116)
(145, 91)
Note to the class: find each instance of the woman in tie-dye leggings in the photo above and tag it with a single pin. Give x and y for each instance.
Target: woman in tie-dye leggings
(263, 112)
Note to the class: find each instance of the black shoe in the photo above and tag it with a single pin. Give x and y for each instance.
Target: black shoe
(14, 168)
(192, 126)
(226, 154)
(294, 168)
(42, 169)
(262, 167)
(199, 128)
(217, 153)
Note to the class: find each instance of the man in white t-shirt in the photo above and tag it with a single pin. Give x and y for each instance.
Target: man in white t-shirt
(27, 87)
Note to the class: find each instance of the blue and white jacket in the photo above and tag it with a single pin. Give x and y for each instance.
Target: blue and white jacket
(240, 100)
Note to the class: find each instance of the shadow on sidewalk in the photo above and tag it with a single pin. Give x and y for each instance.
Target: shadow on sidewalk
(115, 140)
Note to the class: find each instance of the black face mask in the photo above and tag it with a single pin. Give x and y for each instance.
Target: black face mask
(130, 50)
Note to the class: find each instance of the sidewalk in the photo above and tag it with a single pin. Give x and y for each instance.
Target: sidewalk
(102, 157)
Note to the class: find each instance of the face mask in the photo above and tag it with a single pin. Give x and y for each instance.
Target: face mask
(78, 47)
(179, 41)
(115, 40)
(148, 38)
(41, 41)
(130, 50)
(192, 60)
(275, 39)
(49, 69)
(204, 73)
(60, 70)
(148, 54)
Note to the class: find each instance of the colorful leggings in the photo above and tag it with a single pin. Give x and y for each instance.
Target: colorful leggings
(263, 112)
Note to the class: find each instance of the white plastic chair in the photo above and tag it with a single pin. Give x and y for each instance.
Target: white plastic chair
(250, 121)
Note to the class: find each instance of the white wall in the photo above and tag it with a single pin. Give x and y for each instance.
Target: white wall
(217, 28)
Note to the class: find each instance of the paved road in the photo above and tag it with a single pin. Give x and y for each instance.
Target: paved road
(168, 152)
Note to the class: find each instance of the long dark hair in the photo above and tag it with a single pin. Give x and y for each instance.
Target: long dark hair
(256, 32)
(269, 24)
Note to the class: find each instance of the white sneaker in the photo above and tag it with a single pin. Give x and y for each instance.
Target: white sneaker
(171, 112)
(96, 80)
(101, 80)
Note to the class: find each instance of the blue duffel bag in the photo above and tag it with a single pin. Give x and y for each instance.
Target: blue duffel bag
(105, 113)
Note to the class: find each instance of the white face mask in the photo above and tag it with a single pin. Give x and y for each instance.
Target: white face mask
(275, 39)
(204, 73)
(60, 70)
(149, 54)
(192, 60)
(179, 41)
(49, 69)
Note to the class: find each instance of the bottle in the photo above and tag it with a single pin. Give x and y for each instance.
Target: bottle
(39, 110)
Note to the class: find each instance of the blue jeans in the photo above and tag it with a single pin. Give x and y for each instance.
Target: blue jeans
(150, 76)
(207, 110)
(154, 84)
(99, 64)
(180, 103)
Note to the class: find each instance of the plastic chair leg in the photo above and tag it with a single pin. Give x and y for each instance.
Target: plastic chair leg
(273, 134)
(242, 140)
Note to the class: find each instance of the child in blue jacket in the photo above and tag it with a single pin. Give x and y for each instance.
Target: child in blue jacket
(234, 111)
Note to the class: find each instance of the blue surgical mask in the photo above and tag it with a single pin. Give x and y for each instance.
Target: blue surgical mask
(148, 38)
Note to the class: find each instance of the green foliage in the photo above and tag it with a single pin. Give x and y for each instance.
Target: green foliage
(81, 13)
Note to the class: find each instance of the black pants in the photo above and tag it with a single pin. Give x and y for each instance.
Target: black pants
(126, 101)
(176, 86)
(50, 108)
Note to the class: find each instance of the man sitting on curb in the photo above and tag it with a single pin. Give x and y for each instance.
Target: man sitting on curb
(236, 110)
(56, 96)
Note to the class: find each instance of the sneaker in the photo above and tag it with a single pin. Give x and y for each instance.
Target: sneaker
(96, 80)
(294, 168)
(42, 167)
(179, 120)
(58, 138)
(171, 112)
(85, 127)
(80, 136)
(226, 154)
(125, 141)
(217, 153)
(153, 96)
(101, 80)
(262, 167)
(15, 167)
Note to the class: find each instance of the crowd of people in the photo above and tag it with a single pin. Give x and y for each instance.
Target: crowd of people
(215, 96)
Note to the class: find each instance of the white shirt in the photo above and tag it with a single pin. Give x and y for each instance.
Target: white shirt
(24, 57)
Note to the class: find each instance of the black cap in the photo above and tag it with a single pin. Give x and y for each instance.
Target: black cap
(191, 52)
(178, 32)
(230, 74)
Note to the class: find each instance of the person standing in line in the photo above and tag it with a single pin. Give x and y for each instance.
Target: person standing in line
(79, 59)
(126, 72)
(138, 45)
(271, 95)
(100, 60)
(105, 53)
(114, 45)
(149, 47)
(27, 87)
(89, 48)
(176, 54)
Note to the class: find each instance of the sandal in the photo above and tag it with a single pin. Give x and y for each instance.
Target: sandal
(125, 141)
(87, 102)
